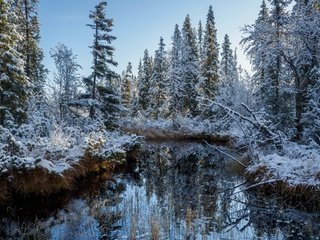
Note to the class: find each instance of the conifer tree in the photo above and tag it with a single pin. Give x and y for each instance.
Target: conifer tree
(303, 59)
(29, 28)
(126, 87)
(102, 78)
(144, 82)
(200, 42)
(102, 52)
(210, 64)
(228, 73)
(266, 43)
(190, 68)
(13, 81)
(175, 74)
(159, 82)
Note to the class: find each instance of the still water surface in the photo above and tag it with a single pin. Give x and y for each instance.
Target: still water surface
(175, 191)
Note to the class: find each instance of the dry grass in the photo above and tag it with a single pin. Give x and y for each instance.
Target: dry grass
(302, 197)
(155, 229)
(171, 135)
(40, 182)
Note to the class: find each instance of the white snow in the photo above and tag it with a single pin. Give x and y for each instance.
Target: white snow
(298, 165)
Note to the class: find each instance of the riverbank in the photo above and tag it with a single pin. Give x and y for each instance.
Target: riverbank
(50, 172)
(290, 171)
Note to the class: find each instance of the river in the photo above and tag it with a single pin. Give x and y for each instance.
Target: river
(174, 191)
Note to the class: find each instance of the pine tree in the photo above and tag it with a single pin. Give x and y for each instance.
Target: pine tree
(190, 68)
(159, 82)
(126, 87)
(102, 76)
(210, 64)
(29, 28)
(13, 81)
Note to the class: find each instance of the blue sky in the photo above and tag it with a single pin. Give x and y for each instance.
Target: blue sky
(138, 25)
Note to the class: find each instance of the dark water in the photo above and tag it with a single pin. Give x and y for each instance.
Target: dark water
(176, 191)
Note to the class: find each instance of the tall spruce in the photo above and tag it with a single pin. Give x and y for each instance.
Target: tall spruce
(159, 82)
(13, 81)
(126, 87)
(210, 64)
(200, 42)
(102, 78)
(175, 74)
(190, 68)
(29, 28)
(144, 83)
(228, 73)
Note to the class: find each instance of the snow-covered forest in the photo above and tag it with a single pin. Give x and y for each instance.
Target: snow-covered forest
(192, 86)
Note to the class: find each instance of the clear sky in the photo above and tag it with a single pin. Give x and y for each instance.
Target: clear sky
(138, 25)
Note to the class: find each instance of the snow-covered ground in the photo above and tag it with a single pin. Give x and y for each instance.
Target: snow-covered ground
(60, 150)
(297, 165)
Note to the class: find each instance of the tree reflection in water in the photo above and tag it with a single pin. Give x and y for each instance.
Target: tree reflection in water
(177, 191)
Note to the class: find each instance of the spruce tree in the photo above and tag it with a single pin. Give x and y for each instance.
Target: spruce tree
(126, 87)
(29, 28)
(228, 74)
(210, 64)
(159, 82)
(144, 83)
(190, 68)
(13, 81)
(175, 74)
(103, 77)
(200, 43)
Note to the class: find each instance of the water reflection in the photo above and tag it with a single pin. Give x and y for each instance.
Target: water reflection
(177, 191)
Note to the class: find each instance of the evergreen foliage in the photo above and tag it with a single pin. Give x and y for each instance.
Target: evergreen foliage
(210, 63)
(13, 80)
(126, 87)
(159, 83)
(28, 46)
(190, 69)
(103, 78)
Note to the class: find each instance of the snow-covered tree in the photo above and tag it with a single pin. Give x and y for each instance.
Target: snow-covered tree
(228, 74)
(29, 28)
(303, 58)
(126, 87)
(210, 63)
(13, 81)
(144, 83)
(266, 41)
(175, 74)
(66, 78)
(102, 52)
(200, 42)
(190, 68)
(159, 83)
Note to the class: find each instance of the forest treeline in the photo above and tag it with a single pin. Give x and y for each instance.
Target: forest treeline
(192, 78)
